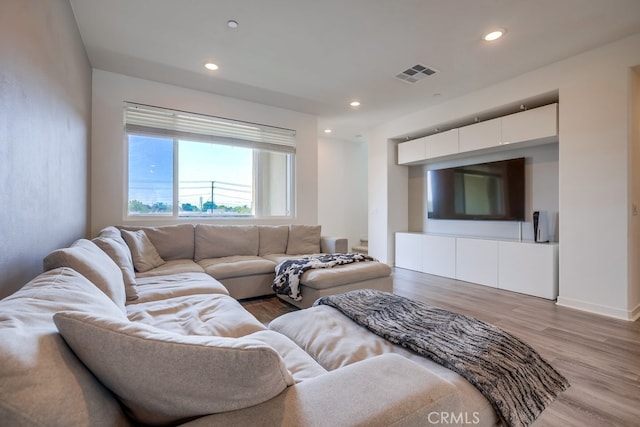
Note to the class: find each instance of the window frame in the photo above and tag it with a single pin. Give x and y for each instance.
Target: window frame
(256, 146)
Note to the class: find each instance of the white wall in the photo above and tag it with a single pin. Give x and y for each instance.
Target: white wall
(45, 112)
(634, 224)
(594, 205)
(342, 189)
(108, 166)
(388, 195)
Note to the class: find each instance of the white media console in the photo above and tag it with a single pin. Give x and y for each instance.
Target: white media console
(520, 266)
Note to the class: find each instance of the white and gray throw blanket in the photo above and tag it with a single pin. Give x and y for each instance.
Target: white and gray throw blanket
(508, 372)
(287, 280)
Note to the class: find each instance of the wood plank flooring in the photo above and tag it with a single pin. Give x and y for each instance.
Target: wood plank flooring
(600, 356)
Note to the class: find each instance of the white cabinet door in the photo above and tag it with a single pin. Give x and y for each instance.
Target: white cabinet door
(537, 123)
(442, 144)
(528, 268)
(477, 261)
(439, 255)
(409, 251)
(411, 151)
(480, 135)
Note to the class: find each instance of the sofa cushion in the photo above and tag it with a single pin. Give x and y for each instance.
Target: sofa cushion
(300, 364)
(278, 258)
(323, 278)
(110, 232)
(303, 239)
(273, 239)
(208, 315)
(171, 241)
(144, 254)
(41, 381)
(162, 377)
(214, 241)
(90, 261)
(176, 266)
(236, 266)
(119, 252)
(323, 338)
(176, 285)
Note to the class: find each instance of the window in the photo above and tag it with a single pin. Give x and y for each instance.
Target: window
(184, 165)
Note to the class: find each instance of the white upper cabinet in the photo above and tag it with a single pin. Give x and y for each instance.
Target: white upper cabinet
(442, 144)
(530, 125)
(535, 126)
(480, 135)
(428, 147)
(411, 151)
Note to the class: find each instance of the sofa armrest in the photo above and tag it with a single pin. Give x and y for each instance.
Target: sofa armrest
(381, 391)
(334, 245)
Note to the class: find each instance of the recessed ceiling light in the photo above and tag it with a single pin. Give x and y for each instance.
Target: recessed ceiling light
(494, 35)
(210, 66)
(355, 103)
(232, 23)
(328, 131)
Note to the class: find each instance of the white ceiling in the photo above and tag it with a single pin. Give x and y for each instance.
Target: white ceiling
(317, 56)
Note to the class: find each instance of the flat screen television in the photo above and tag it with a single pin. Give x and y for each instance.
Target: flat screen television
(492, 191)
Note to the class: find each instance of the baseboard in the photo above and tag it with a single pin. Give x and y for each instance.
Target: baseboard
(603, 310)
(635, 313)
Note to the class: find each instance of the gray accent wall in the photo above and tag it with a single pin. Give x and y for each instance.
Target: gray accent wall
(45, 122)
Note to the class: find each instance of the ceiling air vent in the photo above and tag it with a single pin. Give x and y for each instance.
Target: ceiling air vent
(416, 73)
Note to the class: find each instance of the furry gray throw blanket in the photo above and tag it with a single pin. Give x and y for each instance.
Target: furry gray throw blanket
(508, 372)
(287, 280)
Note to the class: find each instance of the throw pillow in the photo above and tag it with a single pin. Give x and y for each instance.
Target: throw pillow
(144, 254)
(171, 241)
(90, 261)
(303, 239)
(162, 377)
(119, 252)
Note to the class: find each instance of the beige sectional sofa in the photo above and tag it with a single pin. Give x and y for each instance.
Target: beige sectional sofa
(88, 343)
(243, 258)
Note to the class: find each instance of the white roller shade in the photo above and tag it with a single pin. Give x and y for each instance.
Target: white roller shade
(161, 122)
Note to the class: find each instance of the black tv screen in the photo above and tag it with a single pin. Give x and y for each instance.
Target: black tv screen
(486, 191)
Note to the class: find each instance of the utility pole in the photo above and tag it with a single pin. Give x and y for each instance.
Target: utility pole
(212, 182)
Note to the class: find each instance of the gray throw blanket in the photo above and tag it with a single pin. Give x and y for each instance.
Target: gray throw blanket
(508, 372)
(287, 280)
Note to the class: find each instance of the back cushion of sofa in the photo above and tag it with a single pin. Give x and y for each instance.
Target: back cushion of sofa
(171, 241)
(273, 239)
(215, 241)
(42, 381)
(93, 263)
(112, 243)
(164, 377)
(303, 239)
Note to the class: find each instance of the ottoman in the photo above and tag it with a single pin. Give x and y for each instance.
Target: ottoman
(316, 283)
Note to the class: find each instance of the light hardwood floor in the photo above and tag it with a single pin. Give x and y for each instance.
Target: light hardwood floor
(600, 356)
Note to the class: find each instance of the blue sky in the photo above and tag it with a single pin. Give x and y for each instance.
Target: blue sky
(151, 169)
